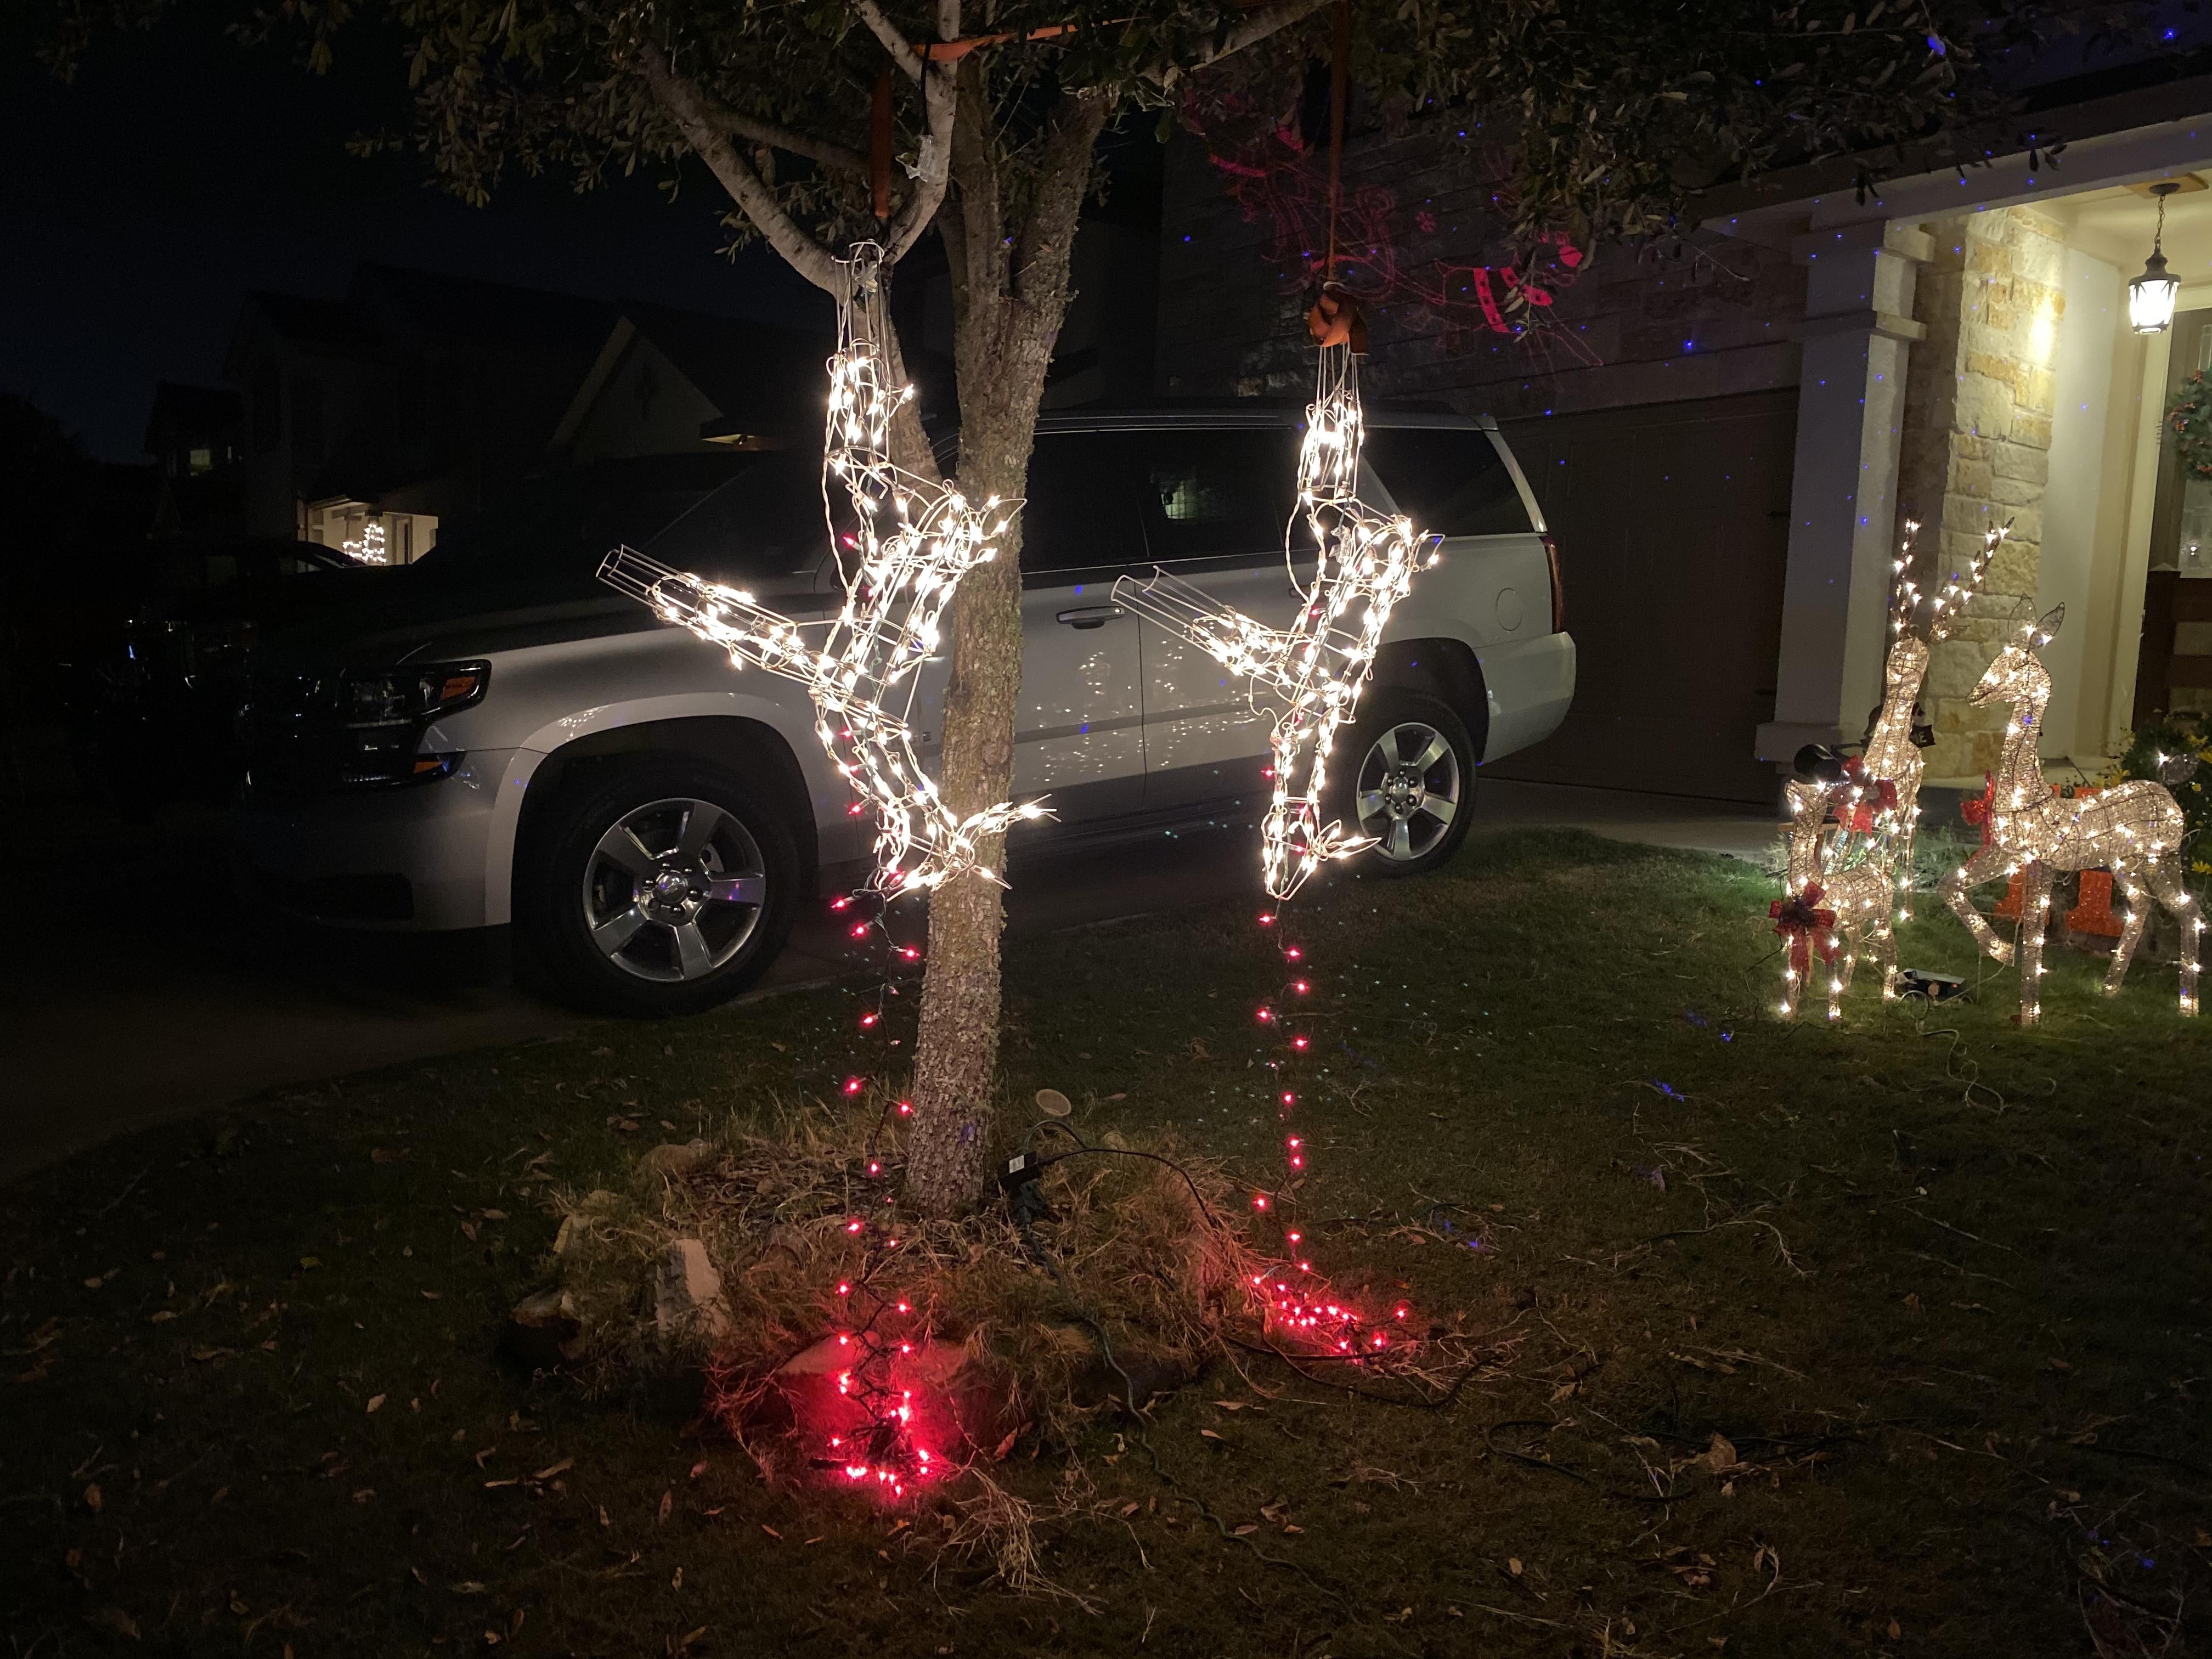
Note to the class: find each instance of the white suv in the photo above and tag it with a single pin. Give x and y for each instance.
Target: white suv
(495, 739)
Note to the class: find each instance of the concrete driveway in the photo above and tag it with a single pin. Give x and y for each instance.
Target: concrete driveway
(144, 992)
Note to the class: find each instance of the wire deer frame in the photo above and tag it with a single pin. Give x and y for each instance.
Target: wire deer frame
(2133, 828)
(916, 539)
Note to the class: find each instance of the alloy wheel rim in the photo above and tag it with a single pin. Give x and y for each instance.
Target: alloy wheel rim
(673, 890)
(1407, 791)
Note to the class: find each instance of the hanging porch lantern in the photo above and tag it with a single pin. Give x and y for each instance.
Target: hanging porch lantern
(2151, 295)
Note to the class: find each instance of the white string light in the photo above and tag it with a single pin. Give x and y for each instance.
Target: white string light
(370, 549)
(1317, 666)
(1891, 755)
(2133, 828)
(914, 539)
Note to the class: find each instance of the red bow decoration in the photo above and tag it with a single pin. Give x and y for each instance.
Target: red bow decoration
(1860, 818)
(1978, 812)
(1800, 920)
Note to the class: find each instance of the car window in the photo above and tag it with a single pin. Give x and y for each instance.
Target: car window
(1449, 481)
(1082, 510)
(1218, 494)
(766, 522)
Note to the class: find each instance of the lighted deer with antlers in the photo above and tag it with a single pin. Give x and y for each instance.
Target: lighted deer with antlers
(2133, 828)
(1892, 756)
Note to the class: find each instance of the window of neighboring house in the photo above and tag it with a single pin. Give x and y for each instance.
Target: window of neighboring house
(268, 409)
(307, 423)
(201, 461)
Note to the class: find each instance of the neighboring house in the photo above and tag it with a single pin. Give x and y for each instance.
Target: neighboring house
(196, 436)
(414, 398)
(1725, 437)
(667, 382)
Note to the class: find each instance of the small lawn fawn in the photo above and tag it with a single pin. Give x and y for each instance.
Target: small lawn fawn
(1831, 915)
(2133, 828)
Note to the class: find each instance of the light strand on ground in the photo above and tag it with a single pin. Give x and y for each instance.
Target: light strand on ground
(2133, 829)
(914, 540)
(1298, 1302)
(1316, 667)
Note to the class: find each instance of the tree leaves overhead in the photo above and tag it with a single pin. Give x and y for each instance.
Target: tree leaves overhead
(1615, 114)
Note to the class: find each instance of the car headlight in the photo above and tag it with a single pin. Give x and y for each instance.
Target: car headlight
(413, 696)
(356, 729)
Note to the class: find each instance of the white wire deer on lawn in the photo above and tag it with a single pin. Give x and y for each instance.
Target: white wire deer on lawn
(1892, 756)
(1838, 888)
(2133, 828)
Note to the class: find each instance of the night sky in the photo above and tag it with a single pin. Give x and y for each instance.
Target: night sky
(140, 205)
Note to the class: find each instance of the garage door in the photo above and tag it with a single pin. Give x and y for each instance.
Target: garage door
(1672, 526)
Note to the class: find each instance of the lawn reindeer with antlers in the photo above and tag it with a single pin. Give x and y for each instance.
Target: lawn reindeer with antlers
(1846, 887)
(1893, 742)
(2133, 828)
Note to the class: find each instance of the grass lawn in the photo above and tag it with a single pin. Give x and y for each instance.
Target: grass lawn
(1796, 1345)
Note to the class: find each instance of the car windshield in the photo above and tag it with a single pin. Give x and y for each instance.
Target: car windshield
(743, 517)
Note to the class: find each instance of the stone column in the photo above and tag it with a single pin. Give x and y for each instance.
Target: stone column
(1977, 447)
(1858, 331)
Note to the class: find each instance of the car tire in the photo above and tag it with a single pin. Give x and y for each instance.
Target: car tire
(658, 886)
(1407, 779)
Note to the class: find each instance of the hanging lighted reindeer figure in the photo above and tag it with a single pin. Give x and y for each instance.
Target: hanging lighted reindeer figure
(2133, 828)
(1317, 666)
(916, 537)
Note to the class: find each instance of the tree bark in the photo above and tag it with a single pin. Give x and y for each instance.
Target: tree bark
(1009, 296)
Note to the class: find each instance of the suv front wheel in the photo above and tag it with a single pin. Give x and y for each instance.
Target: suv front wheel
(663, 886)
(1408, 783)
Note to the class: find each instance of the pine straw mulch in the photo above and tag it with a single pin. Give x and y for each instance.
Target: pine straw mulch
(1148, 1245)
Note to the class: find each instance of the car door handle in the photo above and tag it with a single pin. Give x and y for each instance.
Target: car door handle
(1090, 616)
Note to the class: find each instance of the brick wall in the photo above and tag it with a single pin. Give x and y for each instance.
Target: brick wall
(1632, 329)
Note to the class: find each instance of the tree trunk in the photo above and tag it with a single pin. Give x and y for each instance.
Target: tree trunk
(1009, 294)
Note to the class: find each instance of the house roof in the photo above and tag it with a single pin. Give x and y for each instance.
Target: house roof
(465, 310)
(762, 376)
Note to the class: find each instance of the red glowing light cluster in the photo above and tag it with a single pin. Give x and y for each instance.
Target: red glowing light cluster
(1297, 1302)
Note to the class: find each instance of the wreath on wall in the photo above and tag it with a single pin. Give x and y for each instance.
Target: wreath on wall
(2189, 415)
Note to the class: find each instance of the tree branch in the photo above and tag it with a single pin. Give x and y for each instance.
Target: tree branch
(836, 157)
(940, 101)
(688, 108)
(1268, 20)
(901, 49)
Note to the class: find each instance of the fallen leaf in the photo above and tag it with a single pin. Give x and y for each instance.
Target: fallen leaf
(770, 1531)
(1720, 1454)
(91, 1498)
(1513, 1566)
(1245, 1530)
(160, 1318)
(116, 1619)
(676, 1579)
(376, 1402)
(1896, 1631)
(1231, 1404)
(364, 1494)
(468, 1587)
(1210, 1435)
(309, 1263)
(1129, 1509)
(1287, 1527)
(683, 1641)
(429, 1295)
(667, 1502)
(552, 1470)
(2056, 1365)
(494, 1215)
(698, 1468)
